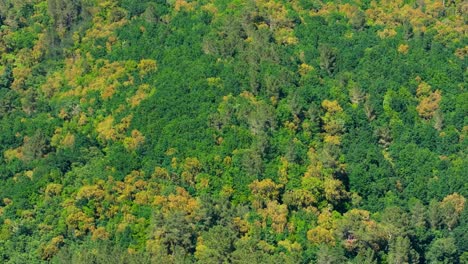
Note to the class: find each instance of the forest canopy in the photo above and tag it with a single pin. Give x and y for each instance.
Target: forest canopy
(227, 131)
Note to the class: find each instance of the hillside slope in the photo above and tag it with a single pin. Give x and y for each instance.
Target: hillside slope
(226, 131)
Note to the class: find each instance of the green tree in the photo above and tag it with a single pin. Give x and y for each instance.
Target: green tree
(400, 251)
(442, 251)
(216, 245)
(328, 59)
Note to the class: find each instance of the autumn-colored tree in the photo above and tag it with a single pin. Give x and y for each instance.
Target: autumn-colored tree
(428, 105)
(264, 191)
(451, 208)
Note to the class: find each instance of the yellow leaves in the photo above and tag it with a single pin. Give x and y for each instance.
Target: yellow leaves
(110, 42)
(349, 35)
(304, 69)
(49, 250)
(108, 80)
(314, 170)
(201, 251)
(7, 229)
(334, 190)
(355, 16)
(141, 94)
(7, 201)
(27, 214)
(183, 5)
(403, 48)
(159, 200)
(262, 191)
(106, 130)
(82, 120)
(105, 76)
(333, 122)
(290, 246)
(179, 202)
(461, 52)
(450, 209)
(53, 189)
(275, 12)
(362, 215)
(319, 235)
(392, 14)
(244, 94)
(174, 162)
(456, 200)
(68, 141)
(277, 214)
(147, 66)
(53, 84)
(286, 36)
(99, 233)
(124, 123)
(241, 224)
(428, 105)
(333, 127)
(133, 142)
(62, 141)
(210, 7)
(347, 9)
(214, 81)
(324, 232)
(20, 74)
(192, 165)
(283, 170)
(73, 68)
(227, 161)
(102, 29)
(265, 246)
(11, 154)
(90, 192)
(386, 33)
(143, 198)
(132, 183)
(109, 91)
(79, 223)
(359, 232)
(171, 151)
(299, 198)
(332, 106)
(153, 246)
(160, 173)
(140, 184)
(424, 89)
(435, 9)
(226, 191)
(332, 139)
(202, 183)
(40, 47)
(278, 21)
(325, 219)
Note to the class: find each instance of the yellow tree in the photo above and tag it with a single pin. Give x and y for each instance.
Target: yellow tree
(263, 191)
(451, 208)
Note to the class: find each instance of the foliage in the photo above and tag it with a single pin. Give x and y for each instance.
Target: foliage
(266, 131)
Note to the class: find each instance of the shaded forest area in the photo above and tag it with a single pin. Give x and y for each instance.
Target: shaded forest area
(229, 131)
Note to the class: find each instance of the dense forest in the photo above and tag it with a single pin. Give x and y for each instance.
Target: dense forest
(233, 131)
